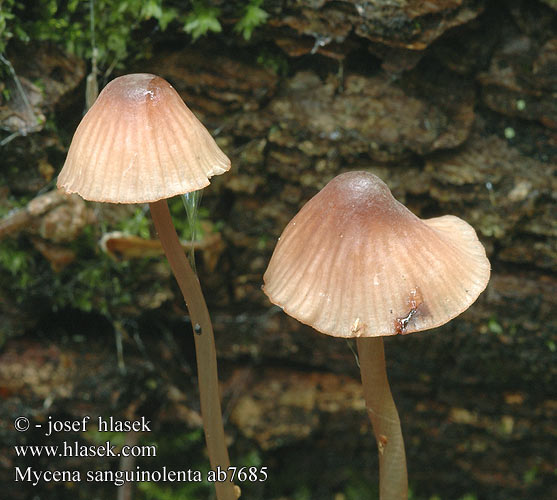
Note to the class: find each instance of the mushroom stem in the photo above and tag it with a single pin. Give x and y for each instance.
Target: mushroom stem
(393, 480)
(204, 345)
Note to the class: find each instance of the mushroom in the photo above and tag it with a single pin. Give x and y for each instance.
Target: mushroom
(356, 263)
(139, 143)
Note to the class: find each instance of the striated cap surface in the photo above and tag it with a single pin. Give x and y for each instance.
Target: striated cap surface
(139, 143)
(354, 262)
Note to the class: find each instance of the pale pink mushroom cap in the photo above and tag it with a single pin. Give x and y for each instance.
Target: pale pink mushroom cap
(354, 262)
(140, 143)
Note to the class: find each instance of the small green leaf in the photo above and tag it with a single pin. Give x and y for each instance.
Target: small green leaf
(494, 326)
(202, 20)
(253, 17)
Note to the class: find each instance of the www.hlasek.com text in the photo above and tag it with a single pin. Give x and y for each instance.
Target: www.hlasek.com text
(75, 449)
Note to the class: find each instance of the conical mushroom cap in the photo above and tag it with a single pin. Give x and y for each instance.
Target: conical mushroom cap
(354, 262)
(139, 143)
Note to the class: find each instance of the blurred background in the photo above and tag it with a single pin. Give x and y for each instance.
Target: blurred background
(451, 102)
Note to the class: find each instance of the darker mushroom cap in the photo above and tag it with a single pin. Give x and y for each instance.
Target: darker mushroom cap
(136, 88)
(363, 198)
(355, 262)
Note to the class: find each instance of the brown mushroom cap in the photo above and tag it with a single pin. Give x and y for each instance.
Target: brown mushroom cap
(354, 262)
(140, 143)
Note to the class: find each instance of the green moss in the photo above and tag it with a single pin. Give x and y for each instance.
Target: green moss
(188, 445)
(139, 224)
(101, 284)
(68, 23)
(358, 487)
(9, 28)
(180, 219)
(17, 263)
(13, 202)
(94, 281)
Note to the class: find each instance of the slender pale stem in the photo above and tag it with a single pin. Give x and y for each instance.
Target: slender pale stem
(393, 480)
(204, 345)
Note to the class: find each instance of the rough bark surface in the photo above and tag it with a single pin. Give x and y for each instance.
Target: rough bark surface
(452, 104)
